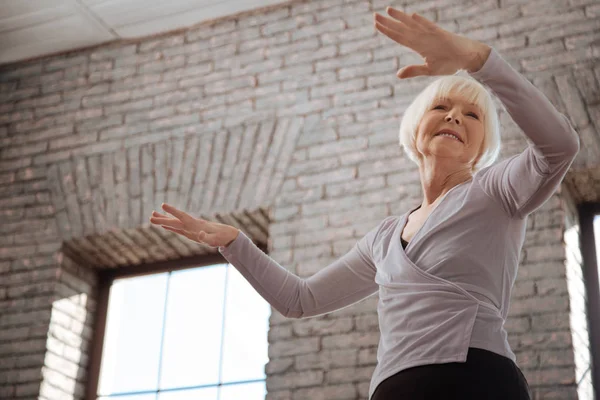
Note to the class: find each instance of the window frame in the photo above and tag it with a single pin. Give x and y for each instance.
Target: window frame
(587, 212)
(106, 278)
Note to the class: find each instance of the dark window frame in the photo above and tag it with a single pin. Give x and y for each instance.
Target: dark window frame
(105, 280)
(587, 212)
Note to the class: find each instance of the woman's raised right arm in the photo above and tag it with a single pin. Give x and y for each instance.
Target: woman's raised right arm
(345, 281)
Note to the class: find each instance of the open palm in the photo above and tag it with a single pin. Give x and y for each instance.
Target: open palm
(444, 52)
(196, 229)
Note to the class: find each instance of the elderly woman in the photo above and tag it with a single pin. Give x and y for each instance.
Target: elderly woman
(444, 270)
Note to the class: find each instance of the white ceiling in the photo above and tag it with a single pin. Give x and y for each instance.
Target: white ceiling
(31, 28)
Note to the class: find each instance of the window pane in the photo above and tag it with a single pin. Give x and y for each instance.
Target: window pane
(245, 345)
(193, 327)
(191, 394)
(246, 391)
(151, 396)
(130, 356)
(596, 228)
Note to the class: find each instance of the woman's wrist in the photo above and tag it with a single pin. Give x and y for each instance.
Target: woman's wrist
(235, 233)
(480, 55)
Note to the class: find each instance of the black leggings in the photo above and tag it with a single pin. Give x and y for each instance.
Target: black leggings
(485, 375)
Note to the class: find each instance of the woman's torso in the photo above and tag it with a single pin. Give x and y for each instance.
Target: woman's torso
(448, 288)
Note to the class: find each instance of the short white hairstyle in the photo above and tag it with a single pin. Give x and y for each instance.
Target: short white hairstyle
(475, 93)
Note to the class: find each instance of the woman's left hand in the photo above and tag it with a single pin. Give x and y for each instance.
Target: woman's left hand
(444, 52)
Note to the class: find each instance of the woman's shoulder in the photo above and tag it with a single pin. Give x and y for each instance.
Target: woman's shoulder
(387, 226)
(383, 228)
(390, 220)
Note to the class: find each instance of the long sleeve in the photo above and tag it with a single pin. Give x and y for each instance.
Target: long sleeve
(524, 182)
(346, 281)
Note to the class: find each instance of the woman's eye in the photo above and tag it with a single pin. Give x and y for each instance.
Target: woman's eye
(440, 106)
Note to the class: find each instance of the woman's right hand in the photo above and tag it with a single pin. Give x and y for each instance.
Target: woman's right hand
(199, 230)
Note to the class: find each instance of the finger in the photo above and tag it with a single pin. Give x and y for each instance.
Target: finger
(171, 222)
(410, 71)
(208, 238)
(392, 34)
(176, 230)
(391, 23)
(401, 16)
(185, 233)
(424, 21)
(175, 212)
(163, 216)
(154, 220)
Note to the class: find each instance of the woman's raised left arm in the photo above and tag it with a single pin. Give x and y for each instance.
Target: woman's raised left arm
(525, 181)
(521, 183)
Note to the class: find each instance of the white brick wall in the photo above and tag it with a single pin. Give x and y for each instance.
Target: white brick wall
(94, 140)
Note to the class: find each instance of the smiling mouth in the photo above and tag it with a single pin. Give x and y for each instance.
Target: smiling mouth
(448, 135)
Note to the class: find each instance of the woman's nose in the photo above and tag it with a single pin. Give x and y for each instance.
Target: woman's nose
(449, 119)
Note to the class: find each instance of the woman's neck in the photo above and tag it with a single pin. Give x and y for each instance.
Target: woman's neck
(438, 180)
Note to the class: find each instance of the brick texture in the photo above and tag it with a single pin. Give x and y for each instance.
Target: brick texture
(295, 109)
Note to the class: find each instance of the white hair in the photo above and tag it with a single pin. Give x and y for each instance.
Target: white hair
(474, 92)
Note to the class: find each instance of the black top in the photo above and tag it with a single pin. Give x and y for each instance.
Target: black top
(404, 242)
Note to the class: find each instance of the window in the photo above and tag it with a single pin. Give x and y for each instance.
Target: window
(197, 333)
(597, 244)
(589, 221)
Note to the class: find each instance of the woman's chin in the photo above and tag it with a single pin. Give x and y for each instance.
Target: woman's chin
(445, 152)
(444, 148)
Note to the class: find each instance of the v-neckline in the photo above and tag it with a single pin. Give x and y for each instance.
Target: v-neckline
(404, 220)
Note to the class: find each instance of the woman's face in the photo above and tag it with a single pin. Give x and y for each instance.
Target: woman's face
(454, 113)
